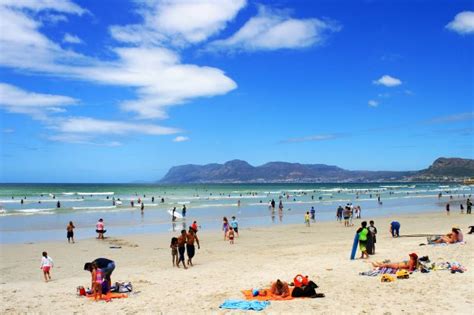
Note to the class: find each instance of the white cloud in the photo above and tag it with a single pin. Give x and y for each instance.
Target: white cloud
(387, 81)
(71, 39)
(180, 139)
(158, 75)
(178, 22)
(65, 6)
(16, 100)
(271, 30)
(8, 130)
(85, 125)
(463, 23)
(373, 103)
(452, 118)
(81, 139)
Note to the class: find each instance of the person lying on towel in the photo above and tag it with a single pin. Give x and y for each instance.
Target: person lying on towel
(409, 265)
(454, 237)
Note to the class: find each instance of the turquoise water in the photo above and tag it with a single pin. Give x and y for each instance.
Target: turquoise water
(39, 218)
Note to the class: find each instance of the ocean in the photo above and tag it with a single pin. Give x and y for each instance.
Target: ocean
(30, 212)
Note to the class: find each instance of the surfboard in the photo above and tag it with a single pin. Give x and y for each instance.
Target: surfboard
(176, 214)
(118, 203)
(354, 246)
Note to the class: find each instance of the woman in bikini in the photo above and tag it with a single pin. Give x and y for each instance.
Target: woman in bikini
(409, 265)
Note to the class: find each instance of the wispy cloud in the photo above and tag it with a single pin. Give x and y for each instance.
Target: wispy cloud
(16, 100)
(373, 103)
(311, 138)
(451, 118)
(463, 23)
(81, 139)
(180, 139)
(388, 81)
(272, 30)
(8, 130)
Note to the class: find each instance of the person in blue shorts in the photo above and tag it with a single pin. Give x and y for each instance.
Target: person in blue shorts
(395, 228)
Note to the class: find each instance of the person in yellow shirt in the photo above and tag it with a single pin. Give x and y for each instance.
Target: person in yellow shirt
(306, 218)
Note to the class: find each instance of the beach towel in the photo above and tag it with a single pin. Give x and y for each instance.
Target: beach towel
(266, 296)
(109, 296)
(245, 305)
(379, 271)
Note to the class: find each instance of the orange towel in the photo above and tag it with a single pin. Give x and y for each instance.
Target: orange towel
(268, 297)
(110, 295)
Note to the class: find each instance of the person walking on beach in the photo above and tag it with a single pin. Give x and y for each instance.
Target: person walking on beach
(183, 212)
(339, 214)
(346, 214)
(191, 237)
(447, 208)
(70, 232)
(313, 214)
(468, 206)
(306, 218)
(395, 228)
(235, 225)
(182, 248)
(194, 226)
(100, 229)
(231, 235)
(46, 265)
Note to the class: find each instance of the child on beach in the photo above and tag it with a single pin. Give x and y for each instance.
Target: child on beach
(235, 226)
(70, 232)
(46, 265)
(306, 218)
(181, 248)
(225, 227)
(363, 232)
(174, 251)
(231, 235)
(97, 280)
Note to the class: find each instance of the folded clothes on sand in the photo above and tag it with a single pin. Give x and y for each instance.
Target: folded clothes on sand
(245, 305)
(266, 295)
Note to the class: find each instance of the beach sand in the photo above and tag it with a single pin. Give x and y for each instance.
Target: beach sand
(259, 256)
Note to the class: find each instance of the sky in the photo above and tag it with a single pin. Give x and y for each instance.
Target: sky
(120, 91)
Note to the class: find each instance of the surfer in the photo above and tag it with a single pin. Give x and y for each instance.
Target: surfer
(173, 217)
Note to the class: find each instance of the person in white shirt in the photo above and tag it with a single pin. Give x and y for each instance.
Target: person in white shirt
(46, 265)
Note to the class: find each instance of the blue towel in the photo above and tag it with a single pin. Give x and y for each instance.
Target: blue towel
(245, 305)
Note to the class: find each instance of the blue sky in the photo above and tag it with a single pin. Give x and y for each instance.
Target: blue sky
(119, 91)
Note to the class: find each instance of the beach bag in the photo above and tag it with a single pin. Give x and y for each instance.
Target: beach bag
(125, 287)
(81, 291)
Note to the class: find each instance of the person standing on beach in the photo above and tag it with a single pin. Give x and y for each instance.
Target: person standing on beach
(142, 207)
(280, 206)
(174, 251)
(70, 232)
(225, 227)
(468, 206)
(194, 226)
(339, 214)
(306, 218)
(272, 203)
(346, 214)
(462, 208)
(447, 208)
(99, 228)
(363, 232)
(182, 248)
(173, 217)
(313, 214)
(235, 225)
(183, 212)
(373, 231)
(46, 265)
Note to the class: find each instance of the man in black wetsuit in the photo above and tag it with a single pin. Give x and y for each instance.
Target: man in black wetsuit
(105, 264)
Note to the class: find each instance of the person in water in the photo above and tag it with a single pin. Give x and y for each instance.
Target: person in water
(363, 232)
(280, 288)
(409, 265)
(183, 212)
(70, 232)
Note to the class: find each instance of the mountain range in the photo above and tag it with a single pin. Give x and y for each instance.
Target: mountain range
(238, 171)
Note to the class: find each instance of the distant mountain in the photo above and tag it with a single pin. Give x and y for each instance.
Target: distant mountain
(449, 167)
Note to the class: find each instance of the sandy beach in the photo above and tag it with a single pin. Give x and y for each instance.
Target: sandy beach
(259, 256)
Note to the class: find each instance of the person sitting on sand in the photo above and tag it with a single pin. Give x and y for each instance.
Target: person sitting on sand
(191, 237)
(409, 265)
(454, 237)
(280, 288)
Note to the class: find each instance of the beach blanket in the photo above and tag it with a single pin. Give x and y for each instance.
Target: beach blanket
(378, 271)
(245, 305)
(266, 295)
(108, 296)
